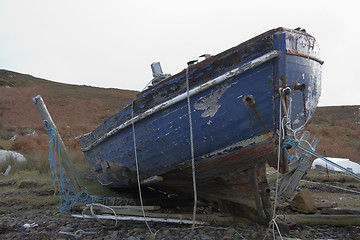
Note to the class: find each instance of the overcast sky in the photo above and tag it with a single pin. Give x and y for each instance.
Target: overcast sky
(112, 43)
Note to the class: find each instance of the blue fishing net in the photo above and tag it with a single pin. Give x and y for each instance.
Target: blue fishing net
(61, 185)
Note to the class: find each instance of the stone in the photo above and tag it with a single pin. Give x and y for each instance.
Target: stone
(283, 206)
(29, 132)
(231, 231)
(326, 204)
(17, 207)
(151, 237)
(68, 229)
(285, 226)
(204, 237)
(6, 156)
(52, 226)
(226, 237)
(113, 236)
(303, 202)
(14, 136)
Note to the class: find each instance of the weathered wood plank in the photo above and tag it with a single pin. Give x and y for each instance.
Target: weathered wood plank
(131, 208)
(135, 211)
(342, 211)
(331, 220)
(133, 218)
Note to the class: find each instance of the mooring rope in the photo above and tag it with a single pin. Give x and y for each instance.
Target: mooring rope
(192, 147)
(282, 126)
(137, 168)
(90, 207)
(295, 143)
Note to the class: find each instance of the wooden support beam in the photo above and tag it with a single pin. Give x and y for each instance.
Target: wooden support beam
(67, 164)
(135, 211)
(127, 208)
(133, 218)
(331, 220)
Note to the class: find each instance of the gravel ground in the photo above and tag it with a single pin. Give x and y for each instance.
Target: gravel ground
(21, 218)
(50, 225)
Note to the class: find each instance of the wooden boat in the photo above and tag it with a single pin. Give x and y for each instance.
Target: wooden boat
(239, 101)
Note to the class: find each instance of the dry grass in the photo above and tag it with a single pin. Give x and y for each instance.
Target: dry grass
(36, 150)
(30, 144)
(68, 106)
(28, 189)
(339, 135)
(323, 192)
(75, 109)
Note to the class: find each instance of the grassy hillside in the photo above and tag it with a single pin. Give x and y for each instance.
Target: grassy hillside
(79, 109)
(75, 109)
(338, 131)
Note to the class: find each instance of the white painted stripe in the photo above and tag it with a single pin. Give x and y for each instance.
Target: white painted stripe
(243, 68)
(242, 144)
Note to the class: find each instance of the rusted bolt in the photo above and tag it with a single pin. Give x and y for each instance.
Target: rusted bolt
(299, 86)
(249, 100)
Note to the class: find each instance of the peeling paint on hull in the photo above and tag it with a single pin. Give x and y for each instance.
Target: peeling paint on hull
(235, 111)
(210, 103)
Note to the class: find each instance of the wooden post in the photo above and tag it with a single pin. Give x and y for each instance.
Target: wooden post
(291, 180)
(65, 161)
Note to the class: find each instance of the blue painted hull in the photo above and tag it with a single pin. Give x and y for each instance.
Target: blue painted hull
(235, 109)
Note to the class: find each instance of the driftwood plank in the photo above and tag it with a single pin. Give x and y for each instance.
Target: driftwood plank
(184, 216)
(331, 220)
(135, 211)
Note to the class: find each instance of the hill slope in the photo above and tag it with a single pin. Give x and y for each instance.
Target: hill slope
(338, 131)
(69, 105)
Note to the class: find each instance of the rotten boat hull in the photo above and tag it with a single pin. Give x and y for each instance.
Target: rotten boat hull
(235, 100)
